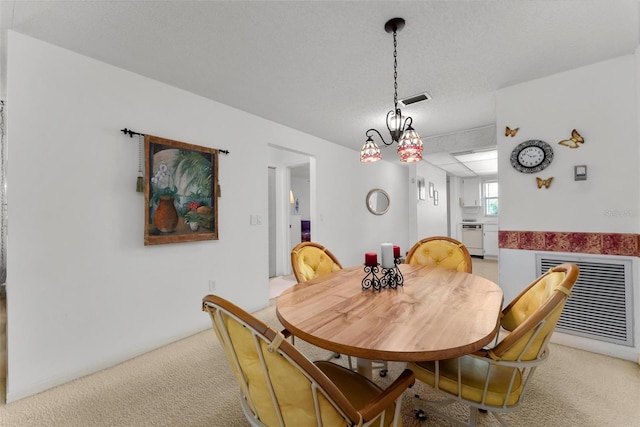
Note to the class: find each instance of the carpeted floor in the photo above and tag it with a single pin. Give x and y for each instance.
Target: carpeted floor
(279, 284)
(189, 383)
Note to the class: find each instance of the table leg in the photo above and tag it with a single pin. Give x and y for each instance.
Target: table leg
(364, 367)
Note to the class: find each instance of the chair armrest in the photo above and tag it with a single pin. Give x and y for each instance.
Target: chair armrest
(388, 396)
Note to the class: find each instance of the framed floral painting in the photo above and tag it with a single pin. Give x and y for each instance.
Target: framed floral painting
(181, 192)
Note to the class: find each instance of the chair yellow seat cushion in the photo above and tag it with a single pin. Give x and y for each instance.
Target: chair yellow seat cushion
(474, 373)
(358, 389)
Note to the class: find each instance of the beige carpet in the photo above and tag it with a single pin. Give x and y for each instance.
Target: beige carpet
(189, 383)
(279, 284)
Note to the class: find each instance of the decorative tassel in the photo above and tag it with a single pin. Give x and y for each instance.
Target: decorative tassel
(140, 181)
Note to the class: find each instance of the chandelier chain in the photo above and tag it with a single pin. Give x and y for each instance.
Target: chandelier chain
(395, 71)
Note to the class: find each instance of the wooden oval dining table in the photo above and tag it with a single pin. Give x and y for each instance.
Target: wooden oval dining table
(437, 314)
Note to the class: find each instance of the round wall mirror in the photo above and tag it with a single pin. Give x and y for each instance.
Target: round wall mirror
(378, 201)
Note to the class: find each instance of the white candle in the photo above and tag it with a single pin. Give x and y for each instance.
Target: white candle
(386, 252)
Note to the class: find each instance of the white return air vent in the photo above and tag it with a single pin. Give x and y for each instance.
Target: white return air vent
(601, 304)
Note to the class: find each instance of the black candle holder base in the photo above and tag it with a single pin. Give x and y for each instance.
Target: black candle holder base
(371, 280)
(390, 277)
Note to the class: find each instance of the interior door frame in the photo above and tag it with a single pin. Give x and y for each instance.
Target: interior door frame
(273, 264)
(282, 158)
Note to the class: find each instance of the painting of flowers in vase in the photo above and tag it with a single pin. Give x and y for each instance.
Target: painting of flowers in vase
(181, 192)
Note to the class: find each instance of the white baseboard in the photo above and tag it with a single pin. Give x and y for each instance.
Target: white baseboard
(608, 349)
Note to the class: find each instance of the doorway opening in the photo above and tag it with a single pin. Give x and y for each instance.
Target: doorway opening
(291, 207)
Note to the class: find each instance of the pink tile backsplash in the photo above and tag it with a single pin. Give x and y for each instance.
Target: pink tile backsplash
(589, 243)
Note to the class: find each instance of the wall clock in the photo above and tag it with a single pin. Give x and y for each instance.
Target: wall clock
(531, 156)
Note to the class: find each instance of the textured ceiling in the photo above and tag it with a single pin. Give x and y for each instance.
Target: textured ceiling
(326, 68)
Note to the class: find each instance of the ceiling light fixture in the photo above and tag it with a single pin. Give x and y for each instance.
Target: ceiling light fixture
(409, 142)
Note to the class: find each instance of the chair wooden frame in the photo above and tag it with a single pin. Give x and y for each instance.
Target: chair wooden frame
(520, 352)
(456, 244)
(371, 413)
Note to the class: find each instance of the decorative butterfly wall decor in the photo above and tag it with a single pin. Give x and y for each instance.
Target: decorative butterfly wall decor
(546, 183)
(511, 132)
(575, 140)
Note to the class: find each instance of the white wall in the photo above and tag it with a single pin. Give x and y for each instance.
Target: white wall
(392, 227)
(83, 292)
(600, 102)
(431, 219)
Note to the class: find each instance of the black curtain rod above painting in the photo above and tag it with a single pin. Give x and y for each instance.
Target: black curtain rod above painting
(131, 133)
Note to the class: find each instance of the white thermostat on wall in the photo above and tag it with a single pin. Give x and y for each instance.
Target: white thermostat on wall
(580, 173)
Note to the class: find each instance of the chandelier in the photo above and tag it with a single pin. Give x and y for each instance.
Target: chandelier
(409, 142)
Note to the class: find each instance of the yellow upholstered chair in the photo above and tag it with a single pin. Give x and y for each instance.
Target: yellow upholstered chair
(280, 387)
(310, 260)
(440, 251)
(495, 379)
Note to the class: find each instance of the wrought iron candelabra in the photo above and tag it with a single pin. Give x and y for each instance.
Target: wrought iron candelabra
(392, 277)
(389, 277)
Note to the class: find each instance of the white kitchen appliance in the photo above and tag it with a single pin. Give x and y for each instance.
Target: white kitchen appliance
(473, 238)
